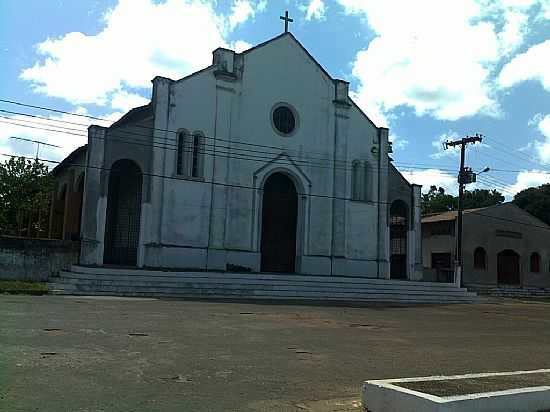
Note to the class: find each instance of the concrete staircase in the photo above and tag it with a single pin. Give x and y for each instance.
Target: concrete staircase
(82, 280)
(510, 291)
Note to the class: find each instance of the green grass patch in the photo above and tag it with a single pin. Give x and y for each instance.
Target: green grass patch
(18, 286)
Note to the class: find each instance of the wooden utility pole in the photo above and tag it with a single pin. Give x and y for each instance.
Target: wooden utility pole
(465, 176)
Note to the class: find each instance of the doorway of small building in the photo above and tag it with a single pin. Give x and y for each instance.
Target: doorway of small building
(122, 224)
(508, 268)
(279, 224)
(398, 239)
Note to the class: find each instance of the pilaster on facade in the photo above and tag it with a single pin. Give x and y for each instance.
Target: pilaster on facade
(163, 136)
(383, 205)
(340, 175)
(220, 170)
(415, 255)
(94, 204)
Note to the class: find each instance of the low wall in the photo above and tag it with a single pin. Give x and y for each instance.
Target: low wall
(35, 259)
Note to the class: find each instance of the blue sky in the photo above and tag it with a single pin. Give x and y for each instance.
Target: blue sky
(429, 70)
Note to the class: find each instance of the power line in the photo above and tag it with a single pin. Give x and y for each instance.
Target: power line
(182, 178)
(233, 141)
(209, 152)
(410, 167)
(417, 166)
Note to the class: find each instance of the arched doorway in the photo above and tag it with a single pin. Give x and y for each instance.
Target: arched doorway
(508, 267)
(279, 219)
(398, 239)
(123, 214)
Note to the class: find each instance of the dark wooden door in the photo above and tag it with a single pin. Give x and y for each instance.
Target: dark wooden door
(508, 267)
(123, 214)
(279, 218)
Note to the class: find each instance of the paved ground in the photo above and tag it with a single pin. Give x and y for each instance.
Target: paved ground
(89, 355)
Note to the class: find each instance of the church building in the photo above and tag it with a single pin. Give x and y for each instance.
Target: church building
(259, 162)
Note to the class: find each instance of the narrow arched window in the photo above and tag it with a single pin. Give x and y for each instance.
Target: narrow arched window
(480, 258)
(535, 262)
(190, 154)
(181, 145)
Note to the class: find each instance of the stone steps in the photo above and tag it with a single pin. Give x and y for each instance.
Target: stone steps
(211, 285)
(249, 281)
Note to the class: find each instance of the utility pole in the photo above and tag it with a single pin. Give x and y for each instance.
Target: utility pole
(465, 176)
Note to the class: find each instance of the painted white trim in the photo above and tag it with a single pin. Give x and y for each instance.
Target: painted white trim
(387, 395)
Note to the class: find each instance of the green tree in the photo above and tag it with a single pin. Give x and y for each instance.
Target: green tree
(482, 198)
(535, 200)
(25, 192)
(437, 201)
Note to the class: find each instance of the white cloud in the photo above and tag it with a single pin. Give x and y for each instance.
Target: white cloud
(125, 101)
(531, 65)
(241, 11)
(316, 9)
(542, 148)
(514, 31)
(436, 57)
(140, 40)
(398, 142)
(432, 177)
(239, 46)
(529, 178)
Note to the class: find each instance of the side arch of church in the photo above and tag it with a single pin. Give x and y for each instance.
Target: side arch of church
(106, 147)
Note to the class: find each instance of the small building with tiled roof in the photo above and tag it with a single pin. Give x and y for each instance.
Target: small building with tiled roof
(502, 245)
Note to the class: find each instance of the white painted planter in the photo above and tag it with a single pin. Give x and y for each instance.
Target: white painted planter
(387, 396)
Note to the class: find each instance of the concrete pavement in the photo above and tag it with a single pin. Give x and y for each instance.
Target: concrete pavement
(108, 354)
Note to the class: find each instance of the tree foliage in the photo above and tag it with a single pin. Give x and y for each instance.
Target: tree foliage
(535, 200)
(25, 192)
(437, 201)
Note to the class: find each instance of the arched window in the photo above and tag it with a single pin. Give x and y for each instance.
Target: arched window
(480, 258)
(535, 262)
(359, 181)
(190, 154)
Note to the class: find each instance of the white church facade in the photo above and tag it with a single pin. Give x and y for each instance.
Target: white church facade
(260, 162)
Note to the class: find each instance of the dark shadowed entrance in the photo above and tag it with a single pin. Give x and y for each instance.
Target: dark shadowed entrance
(508, 267)
(279, 217)
(398, 240)
(123, 214)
